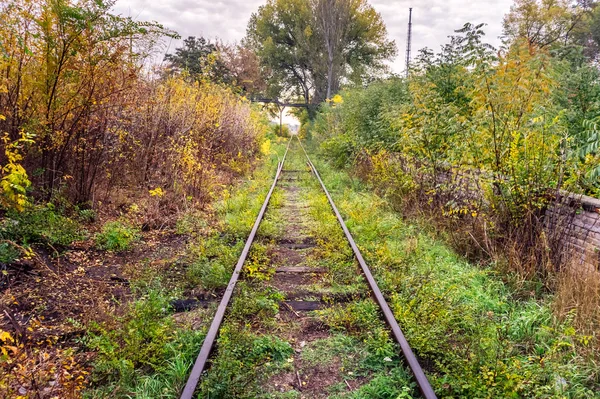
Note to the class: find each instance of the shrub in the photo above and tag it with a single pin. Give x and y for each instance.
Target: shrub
(284, 132)
(39, 225)
(143, 351)
(8, 253)
(117, 236)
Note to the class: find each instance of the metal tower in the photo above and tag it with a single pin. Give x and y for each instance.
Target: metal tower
(408, 41)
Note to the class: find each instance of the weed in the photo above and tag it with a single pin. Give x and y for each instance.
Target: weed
(213, 260)
(87, 215)
(40, 224)
(192, 223)
(143, 352)
(395, 384)
(8, 253)
(258, 265)
(117, 236)
(234, 372)
(476, 338)
(578, 296)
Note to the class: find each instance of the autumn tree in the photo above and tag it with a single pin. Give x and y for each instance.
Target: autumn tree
(65, 67)
(311, 48)
(244, 67)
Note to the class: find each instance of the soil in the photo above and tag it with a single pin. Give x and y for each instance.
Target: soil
(81, 284)
(48, 302)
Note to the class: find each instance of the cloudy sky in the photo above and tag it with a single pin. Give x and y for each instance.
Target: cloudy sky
(433, 20)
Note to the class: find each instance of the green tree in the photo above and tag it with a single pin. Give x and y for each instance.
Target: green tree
(201, 59)
(309, 49)
(542, 23)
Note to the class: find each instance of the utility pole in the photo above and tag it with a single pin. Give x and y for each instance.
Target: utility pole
(408, 41)
(281, 108)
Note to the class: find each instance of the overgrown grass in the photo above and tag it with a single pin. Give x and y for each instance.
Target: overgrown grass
(247, 356)
(142, 353)
(473, 337)
(147, 353)
(360, 350)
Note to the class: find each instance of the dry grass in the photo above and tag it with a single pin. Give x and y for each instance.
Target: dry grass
(578, 296)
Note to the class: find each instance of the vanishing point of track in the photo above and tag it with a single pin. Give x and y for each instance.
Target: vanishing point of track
(207, 346)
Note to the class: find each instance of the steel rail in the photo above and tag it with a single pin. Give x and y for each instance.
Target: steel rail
(209, 340)
(411, 359)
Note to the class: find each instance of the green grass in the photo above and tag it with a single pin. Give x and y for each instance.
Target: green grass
(245, 356)
(46, 225)
(144, 352)
(475, 340)
(360, 343)
(117, 236)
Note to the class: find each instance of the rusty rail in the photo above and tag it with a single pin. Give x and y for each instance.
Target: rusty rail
(411, 359)
(209, 340)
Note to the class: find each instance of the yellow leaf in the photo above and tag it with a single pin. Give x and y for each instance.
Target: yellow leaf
(157, 192)
(5, 336)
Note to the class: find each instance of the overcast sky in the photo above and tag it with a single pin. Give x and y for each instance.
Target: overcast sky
(433, 20)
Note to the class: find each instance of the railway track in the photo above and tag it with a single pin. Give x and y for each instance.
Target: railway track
(297, 281)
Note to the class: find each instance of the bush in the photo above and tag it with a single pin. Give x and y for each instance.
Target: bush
(117, 236)
(38, 224)
(360, 121)
(8, 253)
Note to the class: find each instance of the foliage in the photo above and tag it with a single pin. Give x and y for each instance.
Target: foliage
(213, 258)
(477, 338)
(541, 23)
(473, 136)
(588, 147)
(14, 183)
(308, 49)
(65, 64)
(117, 236)
(203, 131)
(283, 132)
(244, 66)
(481, 143)
(359, 123)
(143, 342)
(73, 76)
(200, 59)
(37, 224)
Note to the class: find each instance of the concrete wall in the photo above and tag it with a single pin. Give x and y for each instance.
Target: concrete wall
(576, 224)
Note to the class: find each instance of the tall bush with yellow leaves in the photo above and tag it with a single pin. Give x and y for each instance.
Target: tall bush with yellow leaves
(72, 75)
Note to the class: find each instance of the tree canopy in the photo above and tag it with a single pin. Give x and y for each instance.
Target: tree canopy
(308, 49)
(200, 59)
